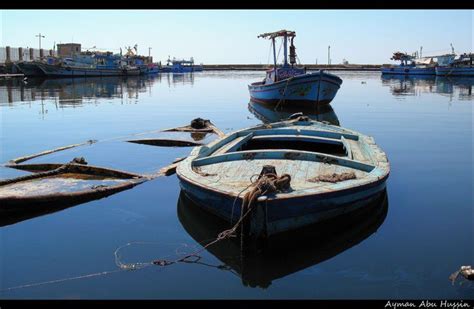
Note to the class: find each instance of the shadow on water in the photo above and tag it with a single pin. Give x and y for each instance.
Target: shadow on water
(402, 85)
(267, 113)
(286, 253)
(16, 217)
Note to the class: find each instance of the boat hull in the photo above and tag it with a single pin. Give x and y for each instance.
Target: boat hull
(30, 69)
(61, 71)
(409, 71)
(454, 71)
(302, 90)
(283, 215)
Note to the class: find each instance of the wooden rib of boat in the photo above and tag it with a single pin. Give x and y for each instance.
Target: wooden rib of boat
(52, 185)
(317, 156)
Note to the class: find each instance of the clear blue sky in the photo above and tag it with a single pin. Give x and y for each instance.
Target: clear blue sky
(220, 36)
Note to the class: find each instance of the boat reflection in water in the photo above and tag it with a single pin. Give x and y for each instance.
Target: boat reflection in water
(177, 79)
(74, 91)
(284, 253)
(401, 85)
(268, 113)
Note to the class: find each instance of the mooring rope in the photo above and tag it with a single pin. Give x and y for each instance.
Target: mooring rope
(62, 280)
(267, 183)
(282, 99)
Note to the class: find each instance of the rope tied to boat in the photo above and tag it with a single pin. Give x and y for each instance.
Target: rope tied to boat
(267, 182)
(282, 99)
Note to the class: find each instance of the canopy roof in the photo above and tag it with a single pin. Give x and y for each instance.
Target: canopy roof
(271, 35)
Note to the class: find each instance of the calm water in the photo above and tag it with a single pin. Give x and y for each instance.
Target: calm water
(405, 248)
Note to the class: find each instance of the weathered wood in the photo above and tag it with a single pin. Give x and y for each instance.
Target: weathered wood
(26, 158)
(165, 142)
(219, 174)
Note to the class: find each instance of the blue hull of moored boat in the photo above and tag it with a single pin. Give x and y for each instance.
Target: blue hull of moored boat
(407, 70)
(304, 90)
(455, 71)
(281, 216)
(66, 71)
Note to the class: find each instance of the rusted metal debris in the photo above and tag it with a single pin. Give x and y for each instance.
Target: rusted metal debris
(333, 178)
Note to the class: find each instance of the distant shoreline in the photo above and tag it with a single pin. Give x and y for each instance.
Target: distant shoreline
(262, 67)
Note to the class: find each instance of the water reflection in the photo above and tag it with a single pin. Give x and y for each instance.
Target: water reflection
(177, 79)
(73, 92)
(401, 85)
(286, 253)
(268, 113)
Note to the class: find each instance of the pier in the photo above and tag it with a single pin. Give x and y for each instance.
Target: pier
(263, 67)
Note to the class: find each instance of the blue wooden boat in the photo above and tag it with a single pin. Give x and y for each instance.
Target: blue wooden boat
(409, 70)
(411, 65)
(91, 64)
(332, 169)
(291, 85)
(408, 66)
(463, 66)
(181, 66)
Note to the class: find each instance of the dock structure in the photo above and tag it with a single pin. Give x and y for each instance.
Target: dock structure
(13, 54)
(263, 67)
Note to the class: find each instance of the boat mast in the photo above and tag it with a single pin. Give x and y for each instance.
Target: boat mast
(282, 33)
(274, 53)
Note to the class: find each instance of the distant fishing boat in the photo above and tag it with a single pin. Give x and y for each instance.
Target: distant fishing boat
(152, 68)
(181, 66)
(94, 64)
(411, 65)
(288, 84)
(463, 66)
(30, 68)
(317, 171)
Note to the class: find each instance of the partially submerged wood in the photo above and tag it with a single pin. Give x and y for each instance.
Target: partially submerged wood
(165, 142)
(56, 184)
(25, 158)
(205, 126)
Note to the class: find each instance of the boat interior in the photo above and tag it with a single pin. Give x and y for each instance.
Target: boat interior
(302, 153)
